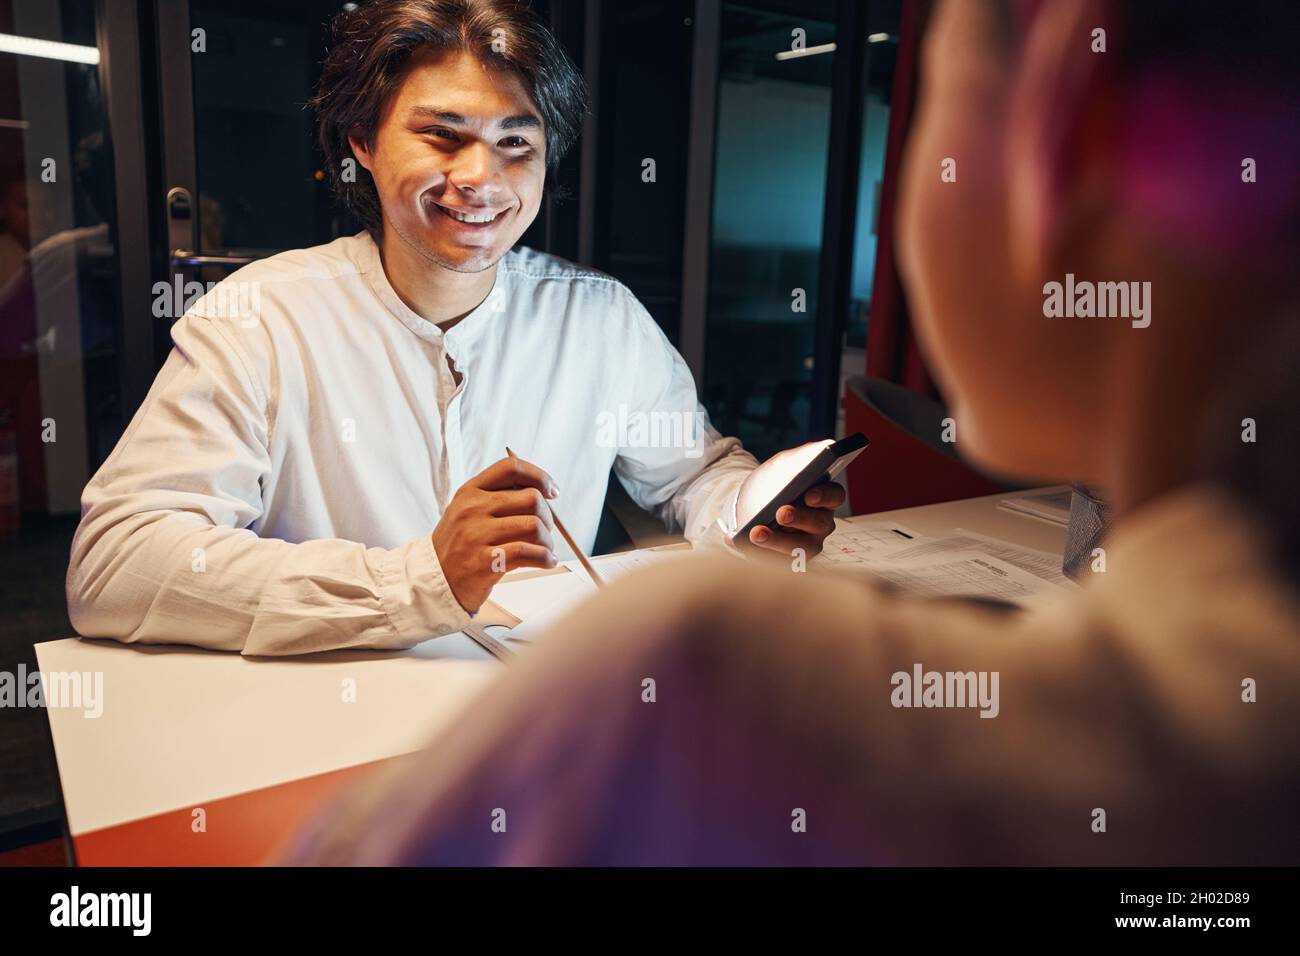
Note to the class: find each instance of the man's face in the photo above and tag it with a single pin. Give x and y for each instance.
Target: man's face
(459, 160)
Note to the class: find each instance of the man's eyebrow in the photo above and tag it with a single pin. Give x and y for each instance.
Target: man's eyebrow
(432, 112)
(519, 121)
(522, 121)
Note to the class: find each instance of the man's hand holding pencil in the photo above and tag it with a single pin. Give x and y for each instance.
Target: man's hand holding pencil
(496, 522)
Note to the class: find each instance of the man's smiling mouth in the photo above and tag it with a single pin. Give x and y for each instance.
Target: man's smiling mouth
(480, 218)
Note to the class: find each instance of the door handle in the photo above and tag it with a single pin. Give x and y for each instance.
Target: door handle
(181, 234)
(184, 258)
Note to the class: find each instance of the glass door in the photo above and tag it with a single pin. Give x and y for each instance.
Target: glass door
(771, 153)
(72, 256)
(241, 167)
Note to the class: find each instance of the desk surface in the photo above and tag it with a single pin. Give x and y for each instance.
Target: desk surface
(258, 744)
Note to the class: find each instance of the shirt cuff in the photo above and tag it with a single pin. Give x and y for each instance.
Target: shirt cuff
(718, 533)
(416, 595)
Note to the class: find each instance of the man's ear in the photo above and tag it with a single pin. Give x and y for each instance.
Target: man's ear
(361, 150)
(1057, 96)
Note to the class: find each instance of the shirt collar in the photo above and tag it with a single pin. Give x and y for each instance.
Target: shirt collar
(462, 333)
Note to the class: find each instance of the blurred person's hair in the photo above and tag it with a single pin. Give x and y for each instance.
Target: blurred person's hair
(1206, 84)
(370, 53)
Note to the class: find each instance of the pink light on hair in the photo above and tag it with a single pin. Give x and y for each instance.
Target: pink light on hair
(1180, 165)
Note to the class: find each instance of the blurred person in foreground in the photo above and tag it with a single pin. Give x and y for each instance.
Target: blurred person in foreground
(1148, 717)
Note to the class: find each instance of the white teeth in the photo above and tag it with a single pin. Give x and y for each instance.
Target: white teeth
(466, 217)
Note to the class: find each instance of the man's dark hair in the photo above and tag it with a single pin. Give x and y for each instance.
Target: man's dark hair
(372, 48)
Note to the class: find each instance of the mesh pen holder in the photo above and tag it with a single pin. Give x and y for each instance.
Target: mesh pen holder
(1089, 520)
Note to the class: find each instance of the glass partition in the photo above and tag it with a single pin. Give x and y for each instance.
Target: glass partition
(773, 127)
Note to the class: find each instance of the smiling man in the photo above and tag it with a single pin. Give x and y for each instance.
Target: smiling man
(330, 471)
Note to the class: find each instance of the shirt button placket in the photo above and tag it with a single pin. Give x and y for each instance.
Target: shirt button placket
(455, 449)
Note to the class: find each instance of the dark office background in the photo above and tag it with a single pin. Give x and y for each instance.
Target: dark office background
(768, 168)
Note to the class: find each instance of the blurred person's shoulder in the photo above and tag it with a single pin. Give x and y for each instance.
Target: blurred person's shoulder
(712, 603)
(1197, 561)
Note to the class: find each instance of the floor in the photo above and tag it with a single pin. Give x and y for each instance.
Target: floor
(32, 610)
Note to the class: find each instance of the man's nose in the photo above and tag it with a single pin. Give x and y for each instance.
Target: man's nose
(475, 171)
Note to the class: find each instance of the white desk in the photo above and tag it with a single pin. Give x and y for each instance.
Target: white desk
(258, 743)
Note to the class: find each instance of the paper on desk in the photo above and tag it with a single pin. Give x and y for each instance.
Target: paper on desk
(963, 574)
(919, 563)
(612, 566)
(1041, 564)
(539, 601)
(857, 542)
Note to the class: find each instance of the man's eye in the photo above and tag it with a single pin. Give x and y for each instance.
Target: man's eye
(514, 142)
(441, 133)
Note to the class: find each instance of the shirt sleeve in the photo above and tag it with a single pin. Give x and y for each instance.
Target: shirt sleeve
(671, 459)
(165, 553)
